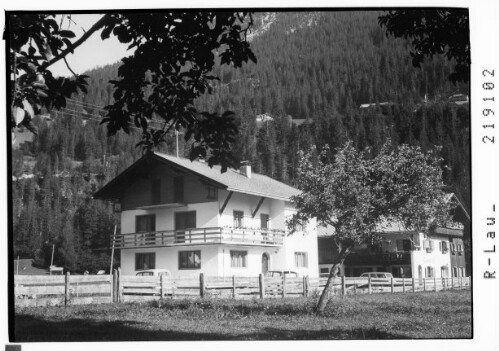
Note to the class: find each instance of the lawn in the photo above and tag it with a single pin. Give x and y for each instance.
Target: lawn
(378, 316)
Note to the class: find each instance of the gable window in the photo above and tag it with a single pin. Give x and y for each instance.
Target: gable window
(238, 259)
(178, 189)
(264, 221)
(238, 219)
(155, 191)
(301, 259)
(212, 192)
(145, 260)
(145, 223)
(189, 259)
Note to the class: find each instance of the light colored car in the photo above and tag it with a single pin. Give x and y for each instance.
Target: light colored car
(154, 273)
(274, 274)
(376, 275)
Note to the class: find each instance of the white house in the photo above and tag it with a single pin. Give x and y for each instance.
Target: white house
(438, 253)
(189, 218)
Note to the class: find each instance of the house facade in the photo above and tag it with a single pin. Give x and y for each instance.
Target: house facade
(404, 253)
(189, 218)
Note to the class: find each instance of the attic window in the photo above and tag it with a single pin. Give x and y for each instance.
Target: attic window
(212, 192)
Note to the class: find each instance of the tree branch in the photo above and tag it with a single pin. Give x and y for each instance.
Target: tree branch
(98, 25)
(67, 65)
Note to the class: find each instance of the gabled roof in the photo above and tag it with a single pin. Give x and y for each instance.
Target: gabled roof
(231, 180)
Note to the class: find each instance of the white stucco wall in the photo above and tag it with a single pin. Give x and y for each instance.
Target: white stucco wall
(435, 259)
(215, 259)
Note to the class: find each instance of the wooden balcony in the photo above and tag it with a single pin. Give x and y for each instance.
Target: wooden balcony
(199, 236)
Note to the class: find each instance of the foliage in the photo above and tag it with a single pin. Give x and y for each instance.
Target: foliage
(357, 192)
(444, 32)
(172, 66)
(35, 39)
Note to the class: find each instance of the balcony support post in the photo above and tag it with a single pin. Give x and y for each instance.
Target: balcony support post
(226, 202)
(257, 207)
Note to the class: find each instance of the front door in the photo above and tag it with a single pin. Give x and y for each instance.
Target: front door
(265, 263)
(183, 221)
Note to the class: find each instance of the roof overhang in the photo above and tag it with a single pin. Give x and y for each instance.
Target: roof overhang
(141, 168)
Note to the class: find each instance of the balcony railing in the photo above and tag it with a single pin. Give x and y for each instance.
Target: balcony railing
(199, 236)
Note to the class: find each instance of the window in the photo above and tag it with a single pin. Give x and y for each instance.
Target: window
(443, 247)
(212, 192)
(238, 259)
(264, 221)
(430, 273)
(403, 245)
(189, 259)
(178, 189)
(238, 219)
(429, 245)
(454, 271)
(145, 261)
(145, 223)
(155, 191)
(301, 259)
(461, 271)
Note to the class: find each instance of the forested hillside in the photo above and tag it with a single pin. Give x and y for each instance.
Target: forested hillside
(313, 73)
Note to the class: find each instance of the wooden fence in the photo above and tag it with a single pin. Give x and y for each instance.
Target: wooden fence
(69, 290)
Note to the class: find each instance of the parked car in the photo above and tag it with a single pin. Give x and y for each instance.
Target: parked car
(274, 274)
(376, 275)
(154, 273)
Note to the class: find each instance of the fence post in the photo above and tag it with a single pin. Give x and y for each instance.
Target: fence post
(369, 288)
(161, 286)
(403, 285)
(392, 286)
(261, 285)
(413, 285)
(66, 290)
(233, 286)
(461, 282)
(284, 285)
(305, 286)
(424, 284)
(119, 286)
(201, 285)
(343, 285)
(435, 283)
(452, 282)
(114, 286)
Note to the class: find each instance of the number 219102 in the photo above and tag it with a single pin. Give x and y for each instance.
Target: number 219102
(488, 112)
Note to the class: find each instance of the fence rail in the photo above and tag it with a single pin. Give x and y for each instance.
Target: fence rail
(69, 290)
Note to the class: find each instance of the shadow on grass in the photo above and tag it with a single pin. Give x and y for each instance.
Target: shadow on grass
(32, 329)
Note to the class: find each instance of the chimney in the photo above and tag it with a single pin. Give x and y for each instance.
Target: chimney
(245, 169)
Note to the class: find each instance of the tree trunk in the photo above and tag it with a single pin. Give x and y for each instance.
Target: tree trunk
(321, 305)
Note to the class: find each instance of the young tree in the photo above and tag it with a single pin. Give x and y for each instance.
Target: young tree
(356, 192)
(171, 67)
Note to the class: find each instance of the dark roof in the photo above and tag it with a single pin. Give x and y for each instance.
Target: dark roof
(231, 180)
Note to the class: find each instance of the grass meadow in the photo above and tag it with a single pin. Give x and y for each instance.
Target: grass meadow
(379, 316)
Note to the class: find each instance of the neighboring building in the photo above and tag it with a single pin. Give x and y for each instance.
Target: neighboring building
(402, 252)
(189, 218)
